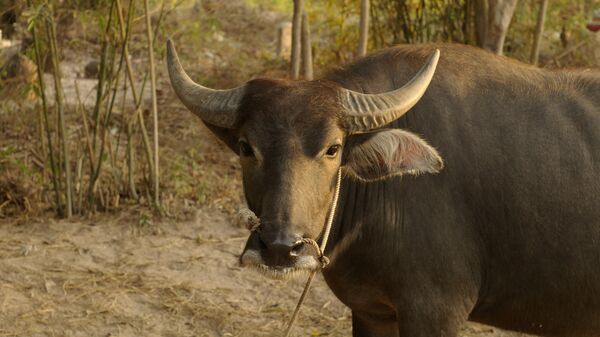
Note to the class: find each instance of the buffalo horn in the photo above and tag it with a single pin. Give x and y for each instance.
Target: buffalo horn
(216, 107)
(363, 112)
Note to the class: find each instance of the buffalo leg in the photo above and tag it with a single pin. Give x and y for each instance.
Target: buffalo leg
(368, 325)
(432, 321)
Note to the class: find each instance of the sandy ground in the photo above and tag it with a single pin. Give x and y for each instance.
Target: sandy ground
(127, 276)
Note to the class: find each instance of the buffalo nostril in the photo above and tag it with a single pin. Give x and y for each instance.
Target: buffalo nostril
(296, 248)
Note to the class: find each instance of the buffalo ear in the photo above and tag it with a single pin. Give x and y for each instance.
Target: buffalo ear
(384, 153)
(227, 136)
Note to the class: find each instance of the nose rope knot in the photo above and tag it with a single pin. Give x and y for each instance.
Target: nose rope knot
(248, 219)
(324, 260)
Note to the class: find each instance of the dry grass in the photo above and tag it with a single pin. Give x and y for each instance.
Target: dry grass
(117, 277)
(195, 170)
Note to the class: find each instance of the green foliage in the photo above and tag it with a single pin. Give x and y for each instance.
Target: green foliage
(282, 6)
(415, 21)
(34, 14)
(391, 22)
(335, 22)
(564, 27)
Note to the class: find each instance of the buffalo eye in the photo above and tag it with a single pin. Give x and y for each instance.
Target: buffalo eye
(245, 149)
(333, 150)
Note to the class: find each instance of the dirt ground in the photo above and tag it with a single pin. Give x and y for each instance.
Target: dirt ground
(128, 276)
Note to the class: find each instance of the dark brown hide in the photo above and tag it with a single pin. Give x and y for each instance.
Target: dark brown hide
(507, 233)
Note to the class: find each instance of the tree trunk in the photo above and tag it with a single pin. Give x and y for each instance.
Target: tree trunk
(492, 20)
(296, 45)
(481, 21)
(363, 36)
(539, 29)
(307, 65)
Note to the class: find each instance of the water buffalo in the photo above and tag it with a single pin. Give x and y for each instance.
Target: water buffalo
(504, 231)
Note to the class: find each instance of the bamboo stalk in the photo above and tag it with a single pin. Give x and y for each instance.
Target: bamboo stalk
(38, 60)
(158, 21)
(113, 84)
(44, 152)
(131, 163)
(154, 104)
(80, 182)
(86, 128)
(161, 15)
(111, 158)
(104, 70)
(128, 67)
(61, 116)
(101, 77)
(124, 35)
(123, 118)
(102, 202)
(130, 151)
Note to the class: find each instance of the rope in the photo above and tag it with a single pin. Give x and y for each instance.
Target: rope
(321, 250)
(336, 196)
(252, 222)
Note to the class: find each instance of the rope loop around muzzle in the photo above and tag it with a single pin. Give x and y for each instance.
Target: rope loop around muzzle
(248, 219)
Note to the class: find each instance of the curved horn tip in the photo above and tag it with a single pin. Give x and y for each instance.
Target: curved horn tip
(216, 107)
(432, 60)
(170, 47)
(370, 111)
(435, 56)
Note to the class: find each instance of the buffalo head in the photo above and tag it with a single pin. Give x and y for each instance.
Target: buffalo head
(292, 138)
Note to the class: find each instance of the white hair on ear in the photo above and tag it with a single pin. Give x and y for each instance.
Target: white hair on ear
(393, 152)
